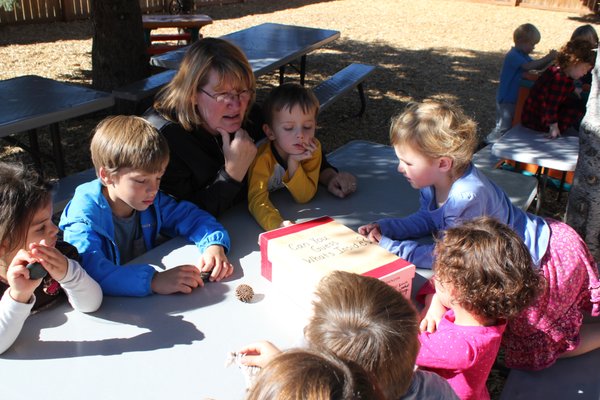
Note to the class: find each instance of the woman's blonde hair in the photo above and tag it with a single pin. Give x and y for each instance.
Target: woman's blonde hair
(436, 129)
(175, 100)
(306, 375)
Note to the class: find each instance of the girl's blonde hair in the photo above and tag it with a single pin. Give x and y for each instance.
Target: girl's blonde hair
(175, 100)
(578, 50)
(436, 129)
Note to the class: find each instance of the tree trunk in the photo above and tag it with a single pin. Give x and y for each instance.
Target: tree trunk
(119, 49)
(583, 209)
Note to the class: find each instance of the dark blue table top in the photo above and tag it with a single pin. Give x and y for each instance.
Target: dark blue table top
(31, 101)
(267, 46)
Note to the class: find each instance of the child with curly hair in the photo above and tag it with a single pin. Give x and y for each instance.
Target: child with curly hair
(548, 108)
(483, 277)
(434, 142)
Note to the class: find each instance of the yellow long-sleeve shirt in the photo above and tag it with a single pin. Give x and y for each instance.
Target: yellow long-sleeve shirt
(266, 175)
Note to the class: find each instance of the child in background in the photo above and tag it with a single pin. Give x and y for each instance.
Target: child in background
(291, 157)
(119, 216)
(365, 320)
(434, 142)
(516, 62)
(306, 375)
(582, 85)
(547, 108)
(28, 235)
(483, 277)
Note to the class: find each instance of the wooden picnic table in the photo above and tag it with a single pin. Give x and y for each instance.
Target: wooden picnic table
(191, 23)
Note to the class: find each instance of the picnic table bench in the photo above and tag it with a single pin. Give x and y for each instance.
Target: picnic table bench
(341, 83)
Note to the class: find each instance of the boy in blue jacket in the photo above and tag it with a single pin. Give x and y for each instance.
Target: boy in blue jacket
(117, 217)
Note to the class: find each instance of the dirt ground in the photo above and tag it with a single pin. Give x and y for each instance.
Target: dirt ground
(424, 49)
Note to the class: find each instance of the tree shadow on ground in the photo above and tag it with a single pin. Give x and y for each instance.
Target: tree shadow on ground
(249, 7)
(403, 76)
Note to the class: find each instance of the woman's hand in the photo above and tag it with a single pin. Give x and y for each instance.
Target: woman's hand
(340, 184)
(239, 153)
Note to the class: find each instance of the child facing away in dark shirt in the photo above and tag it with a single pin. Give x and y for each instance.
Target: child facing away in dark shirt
(549, 107)
(119, 216)
(483, 277)
(290, 158)
(28, 235)
(366, 321)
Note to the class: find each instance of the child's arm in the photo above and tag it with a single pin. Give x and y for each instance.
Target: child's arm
(84, 293)
(97, 258)
(18, 299)
(259, 354)
(445, 349)
(259, 204)
(432, 313)
(302, 177)
(540, 63)
(214, 259)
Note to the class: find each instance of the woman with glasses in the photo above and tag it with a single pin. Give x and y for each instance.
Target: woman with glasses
(207, 115)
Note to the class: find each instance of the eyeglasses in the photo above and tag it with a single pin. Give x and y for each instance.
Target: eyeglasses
(228, 98)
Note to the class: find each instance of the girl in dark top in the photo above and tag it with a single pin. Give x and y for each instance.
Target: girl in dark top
(207, 115)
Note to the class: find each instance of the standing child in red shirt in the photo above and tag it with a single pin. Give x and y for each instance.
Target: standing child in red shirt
(548, 109)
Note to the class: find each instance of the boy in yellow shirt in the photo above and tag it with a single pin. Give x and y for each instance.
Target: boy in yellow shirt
(291, 157)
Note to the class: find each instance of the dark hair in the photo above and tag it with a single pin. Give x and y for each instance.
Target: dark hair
(369, 322)
(578, 50)
(488, 267)
(22, 193)
(307, 375)
(287, 96)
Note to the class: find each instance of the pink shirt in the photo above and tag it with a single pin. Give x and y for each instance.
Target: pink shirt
(464, 355)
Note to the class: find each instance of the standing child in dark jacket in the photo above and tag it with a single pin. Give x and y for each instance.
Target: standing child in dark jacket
(119, 216)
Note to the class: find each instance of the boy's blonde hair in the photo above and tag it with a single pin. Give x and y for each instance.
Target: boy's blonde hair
(287, 96)
(488, 267)
(365, 320)
(526, 33)
(436, 129)
(174, 101)
(299, 374)
(576, 51)
(128, 142)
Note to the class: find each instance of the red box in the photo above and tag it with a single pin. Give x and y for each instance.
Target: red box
(296, 257)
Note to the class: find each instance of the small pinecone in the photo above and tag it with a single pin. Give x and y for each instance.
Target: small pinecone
(244, 293)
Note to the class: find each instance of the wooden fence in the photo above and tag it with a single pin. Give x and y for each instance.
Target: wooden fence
(578, 6)
(31, 11)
